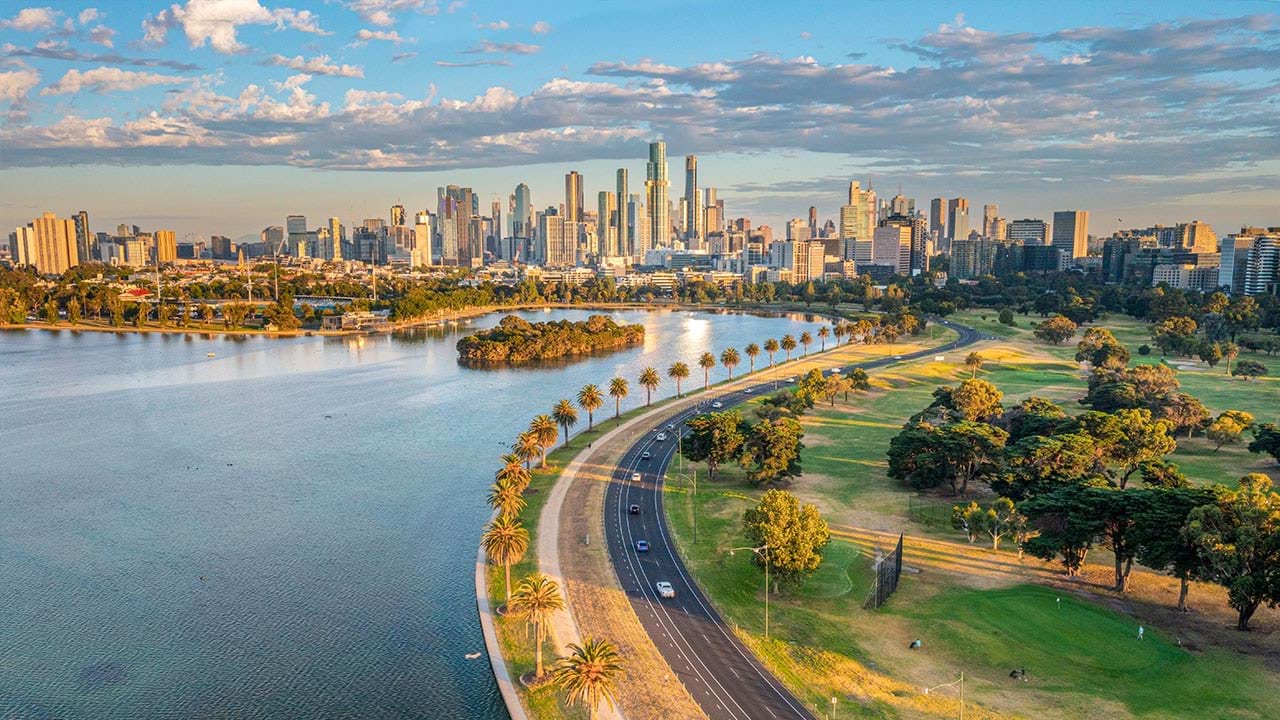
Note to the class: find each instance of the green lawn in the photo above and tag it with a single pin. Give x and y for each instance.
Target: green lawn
(1080, 653)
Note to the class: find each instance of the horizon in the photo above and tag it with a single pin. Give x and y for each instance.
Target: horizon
(174, 116)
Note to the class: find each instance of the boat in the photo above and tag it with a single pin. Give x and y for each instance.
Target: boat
(211, 355)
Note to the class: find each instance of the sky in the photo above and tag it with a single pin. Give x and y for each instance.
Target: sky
(223, 116)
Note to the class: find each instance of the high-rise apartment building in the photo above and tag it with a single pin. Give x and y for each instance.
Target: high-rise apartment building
(797, 229)
(166, 246)
(891, 246)
(901, 205)
(397, 215)
(622, 198)
(712, 212)
(606, 223)
(1071, 233)
(47, 243)
(958, 218)
(296, 227)
(573, 197)
(990, 213)
(423, 232)
(84, 237)
(332, 250)
(657, 188)
(693, 215)
(1263, 265)
(555, 232)
(857, 214)
(522, 212)
(1029, 231)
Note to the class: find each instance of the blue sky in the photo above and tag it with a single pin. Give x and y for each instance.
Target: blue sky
(223, 116)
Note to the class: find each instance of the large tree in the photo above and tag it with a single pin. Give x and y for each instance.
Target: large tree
(590, 399)
(1239, 541)
(1266, 439)
(794, 534)
(589, 674)
(714, 438)
(649, 381)
(1160, 517)
(566, 416)
(956, 454)
(505, 541)
(1056, 330)
(1067, 526)
(618, 390)
(706, 361)
(535, 600)
(729, 358)
(771, 451)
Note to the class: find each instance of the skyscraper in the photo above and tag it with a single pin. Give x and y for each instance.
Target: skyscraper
(573, 197)
(554, 232)
(1071, 233)
(625, 237)
(48, 243)
(693, 230)
(397, 214)
(958, 218)
(1029, 232)
(296, 227)
(522, 213)
(606, 223)
(84, 238)
(813, 221)
(656, 188)
(338, 235)
(712, 212)
(902, 205)
(166, 246)
(938, 217)
(990, 213)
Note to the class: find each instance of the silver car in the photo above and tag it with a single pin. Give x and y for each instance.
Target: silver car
(664, 589)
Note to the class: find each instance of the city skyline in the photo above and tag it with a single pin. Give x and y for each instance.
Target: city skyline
(167, 115)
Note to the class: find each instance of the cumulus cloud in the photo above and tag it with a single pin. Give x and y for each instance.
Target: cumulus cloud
(514, 48)
(16, 84)
(391, 36)
(318, 65)
(474, 63)
(102, 35)
(496, 25)
(88, 15)
(383, 12)
(108, 79)
(216, 21)
(541, 27)
(32, 20)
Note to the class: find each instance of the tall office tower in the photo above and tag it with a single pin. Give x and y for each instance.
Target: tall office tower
(273, 237)
(813, 221)
(656, 188)
(797, 229)
(856, 224)
(607, 223)
(1262, 268)
(990, 213)
(522, 213)
(1197, 237)
(166, 246)
(48, 243)
(461, 244)
(1028, 232)
(422, 234)
(554, 231)
(958, 218)
(621, 197)
(938, 217)
(296, 226)
(573, 197)
(681, 216)
(448, 216)
(712, 212)
(902, 205)
(891, 246)
(338, 234)
(1071, 233)
(397, 214)
(84, 238)
(694, 232)
(638, 216)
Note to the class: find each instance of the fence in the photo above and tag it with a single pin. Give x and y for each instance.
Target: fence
(888, 571)
(929, 511)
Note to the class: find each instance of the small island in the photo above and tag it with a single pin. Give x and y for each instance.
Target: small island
(516, 340)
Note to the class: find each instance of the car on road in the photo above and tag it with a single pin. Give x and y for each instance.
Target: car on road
(661, 437)
(634, 509)
(642, 546)
(747, 391)
(791, 379)
(671, 427)
(835, 371)
(717, 404)
(635, 477)
(646, 455)
(664, 589)
(897, 357)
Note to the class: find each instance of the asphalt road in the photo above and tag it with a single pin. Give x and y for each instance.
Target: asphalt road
(723, 676)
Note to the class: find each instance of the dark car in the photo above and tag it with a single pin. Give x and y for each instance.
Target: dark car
(634, 509)
(642, 546)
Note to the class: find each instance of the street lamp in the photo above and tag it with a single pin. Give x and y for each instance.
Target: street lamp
(758, 550)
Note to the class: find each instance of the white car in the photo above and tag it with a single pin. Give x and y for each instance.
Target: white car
(835, 371)
(717, 404)
(635, 477)
(747, 391)
(661, 437)
(791, 379)
(664, 589)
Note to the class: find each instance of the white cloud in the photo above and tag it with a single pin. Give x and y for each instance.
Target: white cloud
(319, 65)
(88, 15)
(391, 36)
(496, 25)
(108, 79)
(16, 84)
(215, 22)
(32, 19)
(542, 27)
(103, 36)
(382, 12)
(514, 48)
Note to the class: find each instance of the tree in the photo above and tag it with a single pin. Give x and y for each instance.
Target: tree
(590, 674)
(513, 473)
(1224, 431)
(1139, 438)
(1162, 474)
(1174, 335)
(505, 541)
(1230, 351)
(618, 389)
(1066, 524)
(527, 447)
(1241, 314)
(859, 380)
(999, 521)
(1100, 348)
(805, 340)
(590, 399)
(714, 438)
(649, 381)
(1006, 317)
(1034, 416)
(1038, 464)
(976, 400)
(956, 454)
(1249, 370)
(1184, 412)
(788, 344)
(973, 362)
(1056, 330)
(838, 331)
(505, 499)
(770, 347)
(535, 600)
(730, 359)
(1266, 439)
(1239, 541)
(794, 535)
(207, 312)
(234, 314)
(824, 332)
(678, 372)
(771, 451)
(73, 311)
(752, 351)
(50, 312)
(706, 361)
(566, 416)
(144, 310)
(1210, 353)
(544, 428)
(1160, 517)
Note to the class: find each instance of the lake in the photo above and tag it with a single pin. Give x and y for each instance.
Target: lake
(285, 530)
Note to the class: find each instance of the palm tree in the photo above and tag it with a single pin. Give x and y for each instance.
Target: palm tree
(505, 541)
(527, 447)
(706, 362)
(506, 499)
(590, 673)
(974, 363)
(513, 472)
(805, 340)
(824, 332)
(838, 331)
(771, 347)
(544, 428)
(590, 399)
(649, 381)
(535, 599)
(788, 344)
(752, 350)
(729, 358)
(618, 390)
(678, 371)
(566, 415)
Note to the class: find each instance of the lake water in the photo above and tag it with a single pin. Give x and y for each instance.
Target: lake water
(286, 530)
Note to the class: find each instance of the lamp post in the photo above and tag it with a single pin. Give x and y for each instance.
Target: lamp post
(758, 550)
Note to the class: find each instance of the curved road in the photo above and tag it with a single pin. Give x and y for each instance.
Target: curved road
(721, 674)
